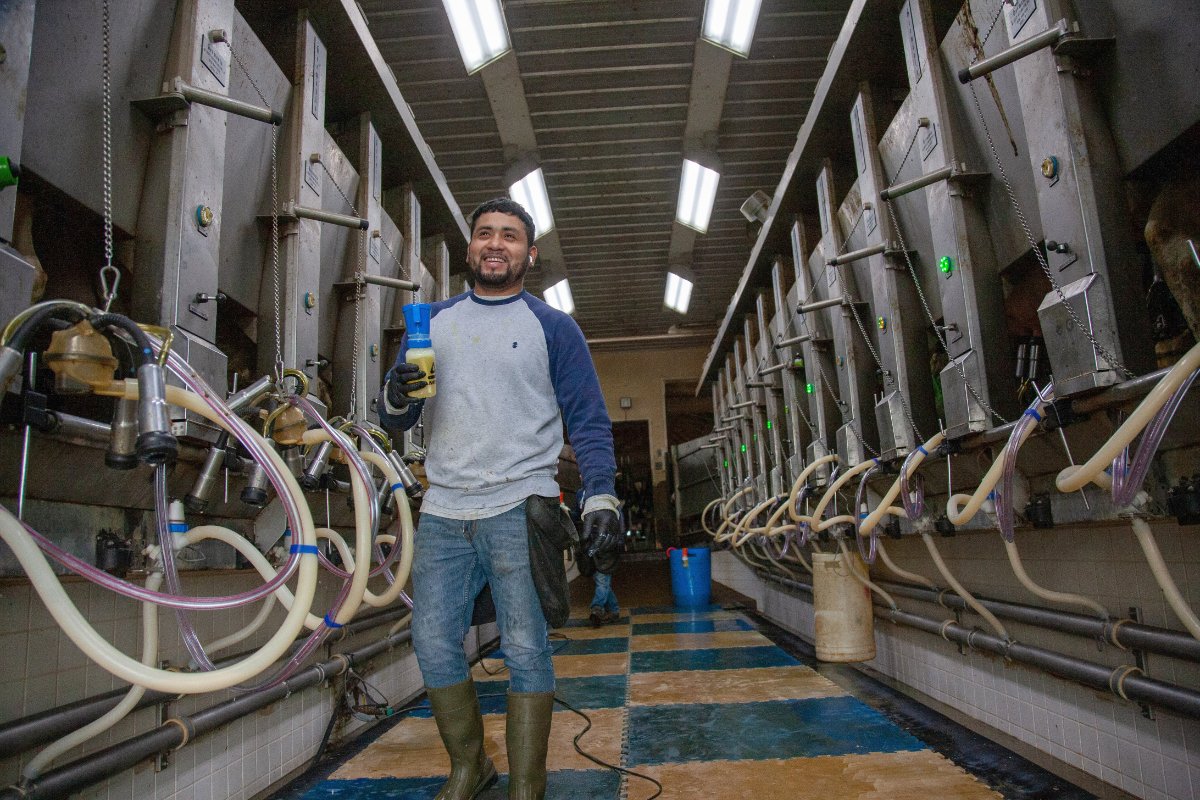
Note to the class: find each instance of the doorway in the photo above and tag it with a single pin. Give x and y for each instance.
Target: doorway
(635, 483)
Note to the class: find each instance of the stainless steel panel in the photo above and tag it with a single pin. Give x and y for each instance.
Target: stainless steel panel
(213, 366)
(1077, 366)
(67, 46)
(16, 23)
(245, 255)
(964, 414)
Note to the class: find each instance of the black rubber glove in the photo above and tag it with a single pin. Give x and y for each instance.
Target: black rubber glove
(402, 380)
(602, 532)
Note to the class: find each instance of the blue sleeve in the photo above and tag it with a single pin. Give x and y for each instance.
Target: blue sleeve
(577, 389)
(397, 423)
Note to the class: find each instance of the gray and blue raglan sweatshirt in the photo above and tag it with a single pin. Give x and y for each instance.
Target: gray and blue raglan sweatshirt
(509, 371)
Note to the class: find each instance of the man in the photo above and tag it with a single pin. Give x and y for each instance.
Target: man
(510, 370)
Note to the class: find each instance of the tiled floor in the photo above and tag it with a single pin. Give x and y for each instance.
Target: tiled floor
(699, 700)
(715, 704)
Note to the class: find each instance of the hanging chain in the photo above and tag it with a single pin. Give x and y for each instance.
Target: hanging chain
(360, 295)
(108, 272)
(992, 26)
(399, 264)
(275, 277)
(1100, 349)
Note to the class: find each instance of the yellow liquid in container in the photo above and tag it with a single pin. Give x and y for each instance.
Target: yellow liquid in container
(423, 358)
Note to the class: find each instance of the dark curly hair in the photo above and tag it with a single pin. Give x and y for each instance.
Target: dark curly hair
(504, 205)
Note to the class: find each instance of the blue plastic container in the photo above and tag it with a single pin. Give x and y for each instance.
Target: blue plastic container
(691, 577)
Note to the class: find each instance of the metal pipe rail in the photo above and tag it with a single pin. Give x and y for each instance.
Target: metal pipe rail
(820, 304)
(320, 215)
(794, 340)
(1048, 37)
(856, 255)
(1125, 681)
(175, 733)
(1122, 633)
(744, 404)
(23, 734)
(771, 370)
(919, 182)
(391, 283)
(221, 102)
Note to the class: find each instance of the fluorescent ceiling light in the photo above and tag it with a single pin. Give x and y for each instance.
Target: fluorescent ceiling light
(530, 192)
(479, 30)
(679, 289)
(730, 24)
(697, 192)
(559, 296)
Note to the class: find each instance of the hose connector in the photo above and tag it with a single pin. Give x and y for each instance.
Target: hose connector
(317, 465)
(155, 442)
(197, 499)
(254, 493)
(412, 486)
(294, 458)
(251, 395)
(122, 440)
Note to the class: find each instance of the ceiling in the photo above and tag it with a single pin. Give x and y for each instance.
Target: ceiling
(607, 97)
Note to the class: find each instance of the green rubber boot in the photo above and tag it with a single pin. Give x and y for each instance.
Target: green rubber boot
(456, 711)
(527, 730)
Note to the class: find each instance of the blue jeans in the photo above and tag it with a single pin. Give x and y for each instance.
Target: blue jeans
(452, 562)
(604, 598)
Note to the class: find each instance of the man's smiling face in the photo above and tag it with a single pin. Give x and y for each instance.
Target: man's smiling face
(499, 254)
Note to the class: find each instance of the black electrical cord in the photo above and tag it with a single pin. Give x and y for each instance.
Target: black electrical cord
(566, 641)
(599, 761)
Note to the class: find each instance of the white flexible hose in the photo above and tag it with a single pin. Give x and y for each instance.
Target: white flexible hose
(249, 630)
(799, 482)
(118, 712)
(826, 498)
(257, 560)
(1162, 574)
(958, 588)
(407, 534)
(1074, 478)
(1070, 598)
(865, 580)
(95, 647)
(885, 505)
(903, 574)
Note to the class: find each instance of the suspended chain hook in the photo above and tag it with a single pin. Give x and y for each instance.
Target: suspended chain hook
(109, 293)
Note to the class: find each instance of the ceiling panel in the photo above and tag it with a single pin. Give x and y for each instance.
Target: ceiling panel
(607, 86)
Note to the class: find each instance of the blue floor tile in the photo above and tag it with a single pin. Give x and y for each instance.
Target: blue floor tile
(692, 626)
(782, 729)
(587, 623)
(576, 784)
(602, 691)
(591, 647)
(715, 658)
(673, 609)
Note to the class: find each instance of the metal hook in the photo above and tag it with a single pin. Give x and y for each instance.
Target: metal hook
(109, 294)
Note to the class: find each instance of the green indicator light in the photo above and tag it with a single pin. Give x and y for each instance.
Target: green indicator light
(808, 387)
(945, 265)
(786, 410)
(743, 448)
(881, 322)
(768, 424)
(727, 463)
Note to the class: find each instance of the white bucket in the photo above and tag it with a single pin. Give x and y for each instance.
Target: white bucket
(845, 626)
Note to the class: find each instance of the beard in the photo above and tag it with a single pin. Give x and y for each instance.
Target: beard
(512, 275)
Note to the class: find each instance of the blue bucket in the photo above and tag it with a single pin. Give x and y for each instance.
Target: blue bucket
(691, 577)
